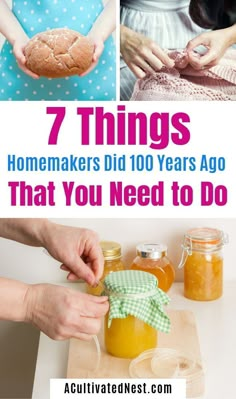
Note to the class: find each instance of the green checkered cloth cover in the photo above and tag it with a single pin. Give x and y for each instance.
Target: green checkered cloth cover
(136, 293)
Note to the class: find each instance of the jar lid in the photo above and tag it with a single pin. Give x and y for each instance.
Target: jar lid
(151, 251)
(206, 235)
(170, 363)
(202, 239)
(111, 250)
(154, 363)
(136, 293)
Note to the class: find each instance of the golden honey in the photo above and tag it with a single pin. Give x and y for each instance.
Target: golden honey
(153, 258)
(129, 337)
(203, 264)
(112, 262)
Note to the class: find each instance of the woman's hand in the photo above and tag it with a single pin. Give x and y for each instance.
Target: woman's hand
(98, 49)
(59, 312)
(102, 28)
(78, 250)
(216, 43)
(18, 51)
(141, 54)
(62, 313)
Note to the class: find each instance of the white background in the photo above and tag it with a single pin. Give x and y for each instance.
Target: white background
(26, 133)
(24, 130)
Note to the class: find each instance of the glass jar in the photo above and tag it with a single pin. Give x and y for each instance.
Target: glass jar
(112, 262)
(129, 337)
(135, 314)
(153, 258)
(203, 263)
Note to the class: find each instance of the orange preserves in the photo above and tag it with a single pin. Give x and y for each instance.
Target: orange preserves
(203, 277)
(153, 258)
(112, 262)
(203, 266)
(129, 337)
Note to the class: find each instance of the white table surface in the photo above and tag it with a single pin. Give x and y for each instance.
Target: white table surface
(216, 323)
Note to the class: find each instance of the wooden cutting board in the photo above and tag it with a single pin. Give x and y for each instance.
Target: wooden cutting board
(82, 358)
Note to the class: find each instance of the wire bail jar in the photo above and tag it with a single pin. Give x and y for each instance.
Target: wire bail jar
(202, 259)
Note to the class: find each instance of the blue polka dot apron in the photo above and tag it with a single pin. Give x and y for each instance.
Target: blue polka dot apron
(40, 15)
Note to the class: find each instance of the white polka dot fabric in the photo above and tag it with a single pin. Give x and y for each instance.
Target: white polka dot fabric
(40, 15)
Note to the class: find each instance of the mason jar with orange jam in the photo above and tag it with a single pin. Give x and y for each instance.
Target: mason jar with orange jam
(135, 313)
(203, 263)
(112, 262)
(152, 258)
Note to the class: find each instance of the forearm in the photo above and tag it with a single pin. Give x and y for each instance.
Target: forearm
(105, 24)
(9, 25)
(12, 300)
(26, 231)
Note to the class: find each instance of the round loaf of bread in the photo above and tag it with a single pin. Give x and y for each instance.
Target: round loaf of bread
(58, 53)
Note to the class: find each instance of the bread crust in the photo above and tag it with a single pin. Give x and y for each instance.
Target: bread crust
(58, 53)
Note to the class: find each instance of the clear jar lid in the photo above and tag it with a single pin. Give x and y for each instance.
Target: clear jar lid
(170, 363)
(204, 238)
(205, 235)
(151, 251)
(111, 250)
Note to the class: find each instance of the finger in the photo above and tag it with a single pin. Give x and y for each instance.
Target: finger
(82, 270)
(93, 306)
(182, 63)
(163, 57)
(80, 335)
(87, 325)
(31, 74)
(200, 62)
(137, 71)
(99, 299)
(20, 56)
(72, 277)
(98, 51)
(151, 64)
(93, 309)
(65, 268)
(141, 68)
(93, 65)
(94, 254)
(144, 64)
(28, 72)
(197, 41)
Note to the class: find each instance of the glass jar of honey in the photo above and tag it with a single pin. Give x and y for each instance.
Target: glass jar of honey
(135, 314)
(112, 262)
(153, 258)
(203, 263)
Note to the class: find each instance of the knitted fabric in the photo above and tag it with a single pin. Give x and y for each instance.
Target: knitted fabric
(177, 84)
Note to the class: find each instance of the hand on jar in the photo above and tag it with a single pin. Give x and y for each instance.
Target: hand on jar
(141, 54)
(215, 42)
(63, 313)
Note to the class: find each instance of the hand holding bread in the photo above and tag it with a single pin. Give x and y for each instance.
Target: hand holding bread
(58, 53)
